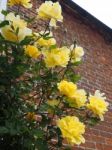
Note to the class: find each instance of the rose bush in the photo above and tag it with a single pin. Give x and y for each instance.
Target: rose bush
(41, 106)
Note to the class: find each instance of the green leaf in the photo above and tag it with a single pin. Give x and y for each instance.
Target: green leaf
(26, 41)
(44, 107)
(47, 38)
(4, 23)
(41, 144)
(3, 130)
(76, 78)
(4, 12)
(38, 133)
(58, 131)
(52, 47)
(17, 31)
(44, 34)
(77, 63)
(72, 76)
(93, 121)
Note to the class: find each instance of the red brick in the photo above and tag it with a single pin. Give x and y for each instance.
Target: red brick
(89, 144)
(106, 147)
(78, 148)
(99, 146)
(108, 141)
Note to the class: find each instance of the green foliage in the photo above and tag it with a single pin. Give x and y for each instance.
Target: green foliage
(4, 23)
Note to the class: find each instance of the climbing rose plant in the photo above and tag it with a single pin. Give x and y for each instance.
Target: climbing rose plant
(41, 106)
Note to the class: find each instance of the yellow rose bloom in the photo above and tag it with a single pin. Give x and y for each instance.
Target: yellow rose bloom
(67, 88)
(97, 104)
(45, 42)
(50, 11)
(32, 51)
(78, 99)
(56, 57)
(10, 34)
(72, 129)
(25, 3)
(77, 54)
(31, 116)
(53, 102)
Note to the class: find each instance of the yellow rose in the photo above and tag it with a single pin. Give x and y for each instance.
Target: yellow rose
(46, 42)
(10, 34)
(31, 116)
(50, 11)
(53, 102)
(72, 129)
(77, 54)
(32, 51)
(67, 88)
(97, 104)
(78, 99)
(25, 3)
(56, 57)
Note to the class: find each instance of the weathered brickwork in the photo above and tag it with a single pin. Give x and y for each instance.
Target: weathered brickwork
(96, 71)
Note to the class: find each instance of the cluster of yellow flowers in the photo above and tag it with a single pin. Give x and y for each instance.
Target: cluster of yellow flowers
(45, 42)
(76, 97)
(25, 3)
(56, 57)
(50, 11)
(16, 30)
(72, 129)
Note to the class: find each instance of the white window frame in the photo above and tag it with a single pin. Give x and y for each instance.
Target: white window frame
(3, 6)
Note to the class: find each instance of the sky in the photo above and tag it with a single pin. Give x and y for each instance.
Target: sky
(101, 9)
(3, 4)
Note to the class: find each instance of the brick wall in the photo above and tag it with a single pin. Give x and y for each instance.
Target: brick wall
(96, 71)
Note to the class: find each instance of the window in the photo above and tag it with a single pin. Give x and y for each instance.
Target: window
(3, 6)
